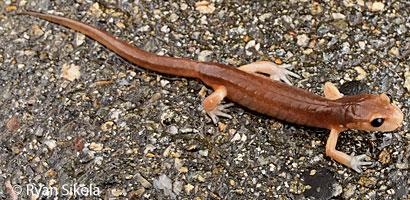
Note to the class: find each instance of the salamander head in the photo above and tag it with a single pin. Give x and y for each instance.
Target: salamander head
(373, 113)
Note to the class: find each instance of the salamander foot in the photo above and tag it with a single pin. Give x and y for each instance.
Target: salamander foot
(356, 162)
(281, 73)
(275, 72)
(218, 112)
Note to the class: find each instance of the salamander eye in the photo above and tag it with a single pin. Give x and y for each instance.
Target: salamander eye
(377, 122)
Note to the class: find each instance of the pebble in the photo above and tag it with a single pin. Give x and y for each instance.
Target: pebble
(117, 192)
(236, 137)
(394, 51)
(407, 80)
(362, 74)
(51, 144)
(376, 6)
(163, 183)
(204, 55)
(205, 7)
(297, 187)
(367, 181)
(177, 187)
(384, 156)
(143, 181)
(95, 146)
(265, 16)
(71, 72)
(12, 124)
(302, 40)
(338, 16)
(188, 188)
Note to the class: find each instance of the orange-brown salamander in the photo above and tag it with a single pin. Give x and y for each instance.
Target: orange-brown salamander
(246, 87)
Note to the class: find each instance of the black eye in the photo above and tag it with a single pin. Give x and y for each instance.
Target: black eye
(377, 122)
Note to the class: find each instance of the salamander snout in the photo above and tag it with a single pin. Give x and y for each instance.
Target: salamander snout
(388, 121)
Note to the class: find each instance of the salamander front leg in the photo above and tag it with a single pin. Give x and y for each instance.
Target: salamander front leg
(331, 91)
(276, 72)
(213, 108)
(354, 162)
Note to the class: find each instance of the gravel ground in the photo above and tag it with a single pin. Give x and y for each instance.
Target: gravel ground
(75, 116)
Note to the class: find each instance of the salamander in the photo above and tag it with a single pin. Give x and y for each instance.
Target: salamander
(267, 95)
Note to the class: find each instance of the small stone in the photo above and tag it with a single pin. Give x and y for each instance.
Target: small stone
(71, 72)
(177, 164)
(391, 191)
(79, 39)
(175, 155)
(116, 192)
(164, 83)
(36, 31)
(50, 172)
(265, 16)
(150, 155)
(394, 51)
(12, 124)
(297, 188)
(137, 193)
(108, 126)
(205, 7)
(95, 10)
(313, 172)
(338, 16)
(221, 126)
(184, 6)
(376, 6)
(203, 153)
(143, 181)
(51, 144)
(120, 25)
(362, 73)
(201, 179)
(401, 165)
(165, 29)
(348, 3)
(367, 181)
(303, 40)
(192, 148)
(407, 80)
(177, 187)
(96, 146)
(173, 18)
(384, 156)
(78, 144)
(244, 138)
(236, 137)
(11, 8)
(163, 183)
(204, 55)
(315, 8)
(362, 45)
(188, 188)
(183, 170)
(145, 28)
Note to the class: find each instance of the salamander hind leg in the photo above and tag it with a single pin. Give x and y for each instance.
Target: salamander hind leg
(212, 104)
(354, 162)
(276, 72)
